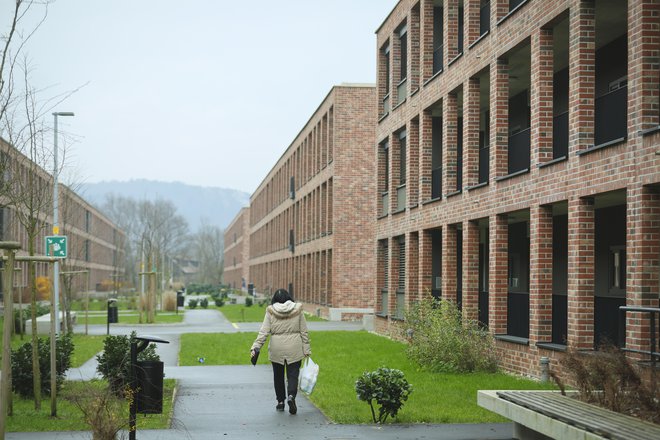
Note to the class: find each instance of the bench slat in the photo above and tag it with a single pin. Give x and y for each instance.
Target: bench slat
(582, 415)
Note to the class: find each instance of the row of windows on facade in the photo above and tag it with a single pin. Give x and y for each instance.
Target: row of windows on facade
(312, 216)
(609, 270)
(403, 43)
(308, 277)
(311, 156)
(610, 121)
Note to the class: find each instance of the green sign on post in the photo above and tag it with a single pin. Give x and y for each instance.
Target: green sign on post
(56, 246)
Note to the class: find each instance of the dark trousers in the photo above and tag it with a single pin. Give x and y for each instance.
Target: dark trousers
(292, 371)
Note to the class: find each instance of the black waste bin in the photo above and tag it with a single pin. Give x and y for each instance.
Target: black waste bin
(250, 289)
(113, 312)
(179, 299)
(150, 387)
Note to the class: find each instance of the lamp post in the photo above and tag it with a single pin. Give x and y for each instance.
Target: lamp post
(56, 228)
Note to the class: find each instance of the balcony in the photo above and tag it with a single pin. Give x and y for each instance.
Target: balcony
(611, 114)
(437, 59)
(436, 183)
(484, 164)
(400, 304)
(401, 198)
(402, 91)
(484, 18)
(560, 136)
(384, 302)
(386, 104)
(519, 151)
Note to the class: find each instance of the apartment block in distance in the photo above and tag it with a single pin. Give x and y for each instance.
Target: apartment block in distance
(519, 169)
(311, 218)
(94, 243)
(237, 248)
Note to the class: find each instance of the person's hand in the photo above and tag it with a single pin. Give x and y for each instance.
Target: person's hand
(251, 353)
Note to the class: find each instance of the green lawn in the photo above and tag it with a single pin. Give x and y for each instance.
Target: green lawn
(255, 313)
(343, 356)
(26, 419)
(85, 348)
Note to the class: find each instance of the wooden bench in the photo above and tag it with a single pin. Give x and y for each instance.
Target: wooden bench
(542, 415)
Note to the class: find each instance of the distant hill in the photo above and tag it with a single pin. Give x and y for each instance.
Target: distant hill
(218, 206)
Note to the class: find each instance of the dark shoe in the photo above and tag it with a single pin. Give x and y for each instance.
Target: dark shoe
(292, 405)
(280, 406)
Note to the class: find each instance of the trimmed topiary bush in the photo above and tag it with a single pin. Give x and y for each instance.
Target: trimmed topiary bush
(204, 303)
(248, 301)
(387, 387)
(192, 303)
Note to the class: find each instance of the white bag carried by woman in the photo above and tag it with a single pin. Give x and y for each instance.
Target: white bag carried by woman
(308, 374)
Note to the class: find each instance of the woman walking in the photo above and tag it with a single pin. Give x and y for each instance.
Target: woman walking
(289, 344)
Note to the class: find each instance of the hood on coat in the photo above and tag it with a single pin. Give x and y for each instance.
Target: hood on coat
(285, 310)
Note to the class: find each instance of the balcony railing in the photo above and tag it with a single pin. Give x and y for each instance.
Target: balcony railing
(386, 104)
(519, 151)
(484, 164)
(401, 198)
(436, 183)
(611, 116)
(437, 59)
(400, 304)
(384, 302)
(518, 314)
(385, 199)
(484, 18)
(402, 91)
(560, 136)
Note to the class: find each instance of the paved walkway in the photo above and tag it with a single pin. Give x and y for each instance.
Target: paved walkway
(236, 401)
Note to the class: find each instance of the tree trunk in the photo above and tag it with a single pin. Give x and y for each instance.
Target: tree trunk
(36, 373)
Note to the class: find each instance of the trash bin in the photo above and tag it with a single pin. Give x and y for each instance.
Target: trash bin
(179, 299)
(250, 289)
(150, 387)
(113, 312)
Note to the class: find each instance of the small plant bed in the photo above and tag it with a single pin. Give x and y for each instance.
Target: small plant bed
(69, 417)
(344, 356)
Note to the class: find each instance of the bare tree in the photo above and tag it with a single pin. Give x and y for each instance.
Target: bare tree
(209, 250)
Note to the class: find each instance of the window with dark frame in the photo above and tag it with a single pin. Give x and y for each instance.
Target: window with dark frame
(402, 158)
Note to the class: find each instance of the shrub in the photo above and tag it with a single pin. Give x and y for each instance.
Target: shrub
(388, 387)
(114, 364)
(607, 378)
(219, 302)
(101, 410)
(21, 365)
(204, 303)
(169, 301)
(192, 303)
(248, 301)
(441, 340)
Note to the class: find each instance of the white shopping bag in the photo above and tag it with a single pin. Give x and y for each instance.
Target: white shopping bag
(308, 374)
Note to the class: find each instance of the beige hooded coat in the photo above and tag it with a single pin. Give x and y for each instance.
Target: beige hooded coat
(289, 340)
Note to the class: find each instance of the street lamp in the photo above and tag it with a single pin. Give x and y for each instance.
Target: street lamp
(56, 228)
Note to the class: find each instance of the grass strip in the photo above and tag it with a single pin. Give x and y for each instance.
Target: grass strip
(343, 356)
(69, 418)
(255, 313)
(132, 318)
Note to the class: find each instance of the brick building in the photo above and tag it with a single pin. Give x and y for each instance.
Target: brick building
(519, 168)
(311, 218)
(237, 251)
(94, 243)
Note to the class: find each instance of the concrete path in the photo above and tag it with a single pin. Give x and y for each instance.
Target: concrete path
(237, 401)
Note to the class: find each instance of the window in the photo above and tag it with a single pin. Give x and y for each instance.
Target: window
(87, 251)
(617, 278)
(403, 41)
(402, 158)
(386, 78)
(438, 36)
(88, 220)
(401, 284)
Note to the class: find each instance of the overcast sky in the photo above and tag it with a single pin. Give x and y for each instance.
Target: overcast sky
(206, 92)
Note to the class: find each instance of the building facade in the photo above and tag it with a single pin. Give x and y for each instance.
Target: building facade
(94, 243)
(237, 247)
(518, 152)
(311, 219)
